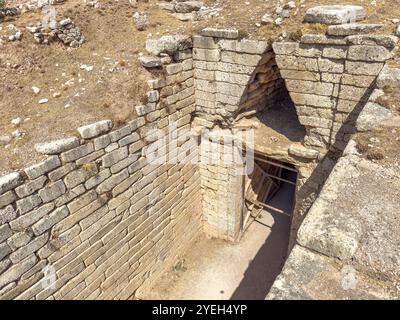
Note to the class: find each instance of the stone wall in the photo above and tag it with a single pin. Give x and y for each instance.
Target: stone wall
(330, 79)
(234, 78)
(232, 75)
(105, 212)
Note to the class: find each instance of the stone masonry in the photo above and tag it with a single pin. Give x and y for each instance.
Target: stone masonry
(97, 212)
(330, 79)
(107, 212)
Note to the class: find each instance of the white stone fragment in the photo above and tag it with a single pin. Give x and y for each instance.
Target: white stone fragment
(95, 129)
(57, 146)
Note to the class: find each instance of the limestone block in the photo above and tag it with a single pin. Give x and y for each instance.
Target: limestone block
(352, 29)
(232, 78)
(168, 44)
(61, 172)
(111, 182)
(31, 217)
(363, 68)
(240, 58)
(41, 168)
(220, 33)
(101, 142)
(10, 181)
(245, 46)
(27, 204)
(389, 42)
(389, 78)
(57, 146)
(335, 52)
(296, 63)
(372, 116)
(335, 14)
(300, 75)
(174, 68)
(52, 191)
(150, 62)
(322, 39)
(19, 239)
(358, 80)
(79, 176)
(17, 270)
(7, 198)
(145, 109)
(95, 129)
(77, 153)
(30, 187)
(368, 53)
(29, 248)
(353, 93)
(204, 42)
(211, 55)
(302, 152)
(7, 214)
(319, 88)
(329, 65)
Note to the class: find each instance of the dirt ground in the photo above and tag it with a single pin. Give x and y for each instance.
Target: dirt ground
(216, 269)
(117, 81)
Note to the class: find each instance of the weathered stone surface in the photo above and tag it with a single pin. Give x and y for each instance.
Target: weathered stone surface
(7, 198)
(335, 14)
(150, 62)
(5, 232)
(61, 172)
(113, 157)
(204, 42)
(30, 187)
(28, 249)
(111, 182)
(322, 39)
(30, 218)
(27, 204)
(220, 33)
(10, 181)
(7, 214)
(306, 272)
(352, 29)
(57, 146)
(372, 40)
(368, 53)
(245, 46)
(302, 152)
(15, 271)
(52, 191)
(95, 129)
(168, 44)
(188, 6)
(363, 68)
(320, 88)
(78, 152)
(342, 231)
(19, 239)
(47, 222)
(41, 168)
(79, 176)
(372, 116)
(389, 78)
(206, 54)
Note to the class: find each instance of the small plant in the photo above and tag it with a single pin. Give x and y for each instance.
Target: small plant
(179, 266)
(2, 3)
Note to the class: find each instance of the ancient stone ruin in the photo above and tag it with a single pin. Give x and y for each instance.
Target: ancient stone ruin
(111, 209)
